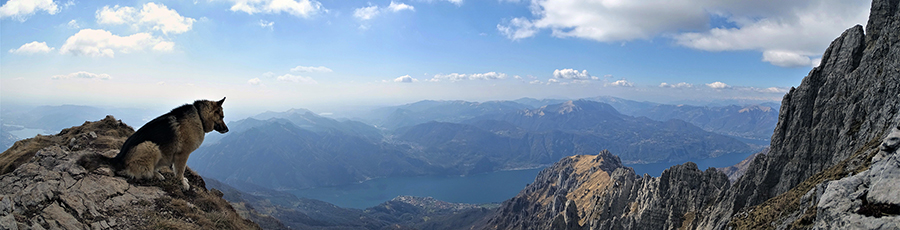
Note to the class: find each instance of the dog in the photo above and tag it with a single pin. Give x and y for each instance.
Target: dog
(168, 140)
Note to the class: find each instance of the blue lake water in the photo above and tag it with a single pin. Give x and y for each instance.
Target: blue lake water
(493, 187)
(475, 189)
(656, 169)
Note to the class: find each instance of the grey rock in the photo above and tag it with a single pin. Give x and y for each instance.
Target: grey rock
(65, 220)
(843, 203)
(842, 113)
(8, 222)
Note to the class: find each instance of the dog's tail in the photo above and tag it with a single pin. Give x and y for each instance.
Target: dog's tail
(92, 161)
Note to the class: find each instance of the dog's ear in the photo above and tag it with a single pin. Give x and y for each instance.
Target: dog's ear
(221, 101)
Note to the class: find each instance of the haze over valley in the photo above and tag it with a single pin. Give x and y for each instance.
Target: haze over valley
(449, 114)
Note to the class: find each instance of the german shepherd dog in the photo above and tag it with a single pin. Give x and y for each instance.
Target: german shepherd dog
(169, 139)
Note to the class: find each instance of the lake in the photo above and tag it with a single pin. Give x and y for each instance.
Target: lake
(474, 189)
(656, 169)
(493, 187)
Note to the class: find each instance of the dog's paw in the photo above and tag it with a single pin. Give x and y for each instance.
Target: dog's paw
(184, 184)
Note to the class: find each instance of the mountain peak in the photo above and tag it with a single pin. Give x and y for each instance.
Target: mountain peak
(55, 185)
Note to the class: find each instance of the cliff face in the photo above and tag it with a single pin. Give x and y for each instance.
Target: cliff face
(47, 186)
(824, 168)
(827, 126)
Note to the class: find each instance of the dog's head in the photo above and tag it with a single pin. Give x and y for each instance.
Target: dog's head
(212, 115)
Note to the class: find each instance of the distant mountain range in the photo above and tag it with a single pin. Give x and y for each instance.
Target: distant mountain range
(54, 118)
(753, 123)
(299, 149)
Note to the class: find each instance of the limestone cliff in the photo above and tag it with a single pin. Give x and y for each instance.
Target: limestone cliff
(45, 185)
(824, 168)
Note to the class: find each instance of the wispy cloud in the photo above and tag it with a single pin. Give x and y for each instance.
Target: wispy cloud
(82, 75)
(267, 24)
(453, 77)
(676, 85)
(372, 11)
(298, 8)
(311, 69)
(254, 81)
(296, 79)
(73, 24)
(620, 83)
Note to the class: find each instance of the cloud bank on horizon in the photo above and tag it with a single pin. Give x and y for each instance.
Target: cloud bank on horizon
(400, 51)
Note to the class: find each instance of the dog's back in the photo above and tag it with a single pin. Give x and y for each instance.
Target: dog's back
(158, 130)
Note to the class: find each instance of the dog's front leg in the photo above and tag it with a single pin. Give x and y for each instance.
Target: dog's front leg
(180, 164)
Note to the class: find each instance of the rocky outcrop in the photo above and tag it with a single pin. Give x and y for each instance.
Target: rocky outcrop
(737, 170)
(611, 196)
(51, 188)
(824, 169)
(670, 201)
(558, 192)
(868, 200)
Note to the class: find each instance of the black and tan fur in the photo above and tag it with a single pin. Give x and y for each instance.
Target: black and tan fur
(168, 140)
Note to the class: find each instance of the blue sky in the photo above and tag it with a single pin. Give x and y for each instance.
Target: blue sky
(280, 54)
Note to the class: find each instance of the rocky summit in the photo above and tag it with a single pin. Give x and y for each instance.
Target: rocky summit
(49, 182)
(832, 163)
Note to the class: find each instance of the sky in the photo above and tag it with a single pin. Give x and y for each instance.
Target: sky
(324, 54)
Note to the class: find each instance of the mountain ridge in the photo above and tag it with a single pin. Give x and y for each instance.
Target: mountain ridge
(818, 172)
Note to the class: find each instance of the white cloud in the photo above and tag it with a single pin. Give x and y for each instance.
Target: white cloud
(297, 79)
(573, 74)
(165, 20)
(786, 59)
(517, 28)
(406, 79)
(615, 20)
(298, 8)
(22, 9)
(457, 2)
(82, 74)
(372, 11)
(772, 90)
(620, 83)
(535, 82)
(676, 85)
(802, 28)
(266, 24)
(311, 69)
(32, 48)
(115, 15)
(816, 62)
(395, 7)
(99, 43)
(156, 16)
(718, 85)
(366, 13)
(453, 77)
(73, 24)
(254, 81)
